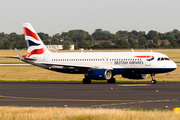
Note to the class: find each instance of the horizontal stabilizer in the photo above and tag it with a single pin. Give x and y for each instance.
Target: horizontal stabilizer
(20, 57)
(11, 57)
(30, 59)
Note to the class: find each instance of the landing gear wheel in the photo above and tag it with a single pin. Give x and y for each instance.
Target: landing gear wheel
(86, 81)
(153, 81)
(112, 80)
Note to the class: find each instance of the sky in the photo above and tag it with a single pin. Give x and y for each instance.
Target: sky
(57, 16)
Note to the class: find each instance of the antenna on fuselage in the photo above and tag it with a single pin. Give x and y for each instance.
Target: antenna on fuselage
(132, 50)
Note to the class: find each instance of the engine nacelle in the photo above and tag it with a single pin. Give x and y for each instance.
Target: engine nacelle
(99, 74)
(135, 76)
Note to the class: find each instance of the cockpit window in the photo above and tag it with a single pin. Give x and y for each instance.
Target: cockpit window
(167, 59)
(162, 59)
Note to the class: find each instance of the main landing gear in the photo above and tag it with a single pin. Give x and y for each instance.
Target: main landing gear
(86, 81)
(112, 80)
(153, 81)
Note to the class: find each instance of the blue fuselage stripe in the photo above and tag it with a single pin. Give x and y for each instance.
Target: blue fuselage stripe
(141, 70)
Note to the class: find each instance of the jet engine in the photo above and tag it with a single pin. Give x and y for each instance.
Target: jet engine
(99, 74)
(135, 76)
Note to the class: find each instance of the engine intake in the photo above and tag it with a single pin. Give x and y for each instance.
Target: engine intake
(99, 74)
(135, 76)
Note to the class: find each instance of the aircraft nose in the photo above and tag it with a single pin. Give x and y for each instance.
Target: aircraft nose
(173, 65)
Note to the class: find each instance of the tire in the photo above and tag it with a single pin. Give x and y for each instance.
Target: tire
(153, 81)
(112, 80)
(86, 81)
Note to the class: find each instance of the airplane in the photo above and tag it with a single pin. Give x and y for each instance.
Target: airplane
(95, 65)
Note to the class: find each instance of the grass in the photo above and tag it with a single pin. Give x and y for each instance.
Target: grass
(174, 56)
(33, 73)
(55, 113)
(13, 53)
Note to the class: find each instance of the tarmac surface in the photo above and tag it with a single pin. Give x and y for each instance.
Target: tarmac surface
(163, 95)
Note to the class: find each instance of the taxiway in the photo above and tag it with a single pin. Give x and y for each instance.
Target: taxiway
(98, 94)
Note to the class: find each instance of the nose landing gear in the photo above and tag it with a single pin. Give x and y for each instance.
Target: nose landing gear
(153, 81)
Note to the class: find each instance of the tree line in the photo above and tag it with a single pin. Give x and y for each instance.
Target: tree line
(82, 39)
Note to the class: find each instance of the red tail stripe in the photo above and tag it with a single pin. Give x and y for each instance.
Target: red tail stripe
(144, 56)
(24, 56)
(30, 33)
(36, 51)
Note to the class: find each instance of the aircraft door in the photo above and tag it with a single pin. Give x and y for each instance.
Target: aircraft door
(147, 62)
(45, 59)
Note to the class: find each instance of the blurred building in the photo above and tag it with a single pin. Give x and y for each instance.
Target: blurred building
(58, 47)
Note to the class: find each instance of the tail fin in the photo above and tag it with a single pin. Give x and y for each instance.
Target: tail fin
(33, 41)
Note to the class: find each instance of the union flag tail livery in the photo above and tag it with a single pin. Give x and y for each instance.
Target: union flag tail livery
(35, 46)
(95, 65)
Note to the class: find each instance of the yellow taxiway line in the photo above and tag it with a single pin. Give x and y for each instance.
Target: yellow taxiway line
(134, 85)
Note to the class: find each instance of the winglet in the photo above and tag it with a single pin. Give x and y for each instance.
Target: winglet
(20, 56)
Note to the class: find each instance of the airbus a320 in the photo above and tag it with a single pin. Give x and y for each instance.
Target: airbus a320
(95, 65)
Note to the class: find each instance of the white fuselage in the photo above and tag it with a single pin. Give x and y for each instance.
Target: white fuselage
(129, 61)
(95, 65)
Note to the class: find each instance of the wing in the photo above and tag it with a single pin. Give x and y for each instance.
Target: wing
(74, 65)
